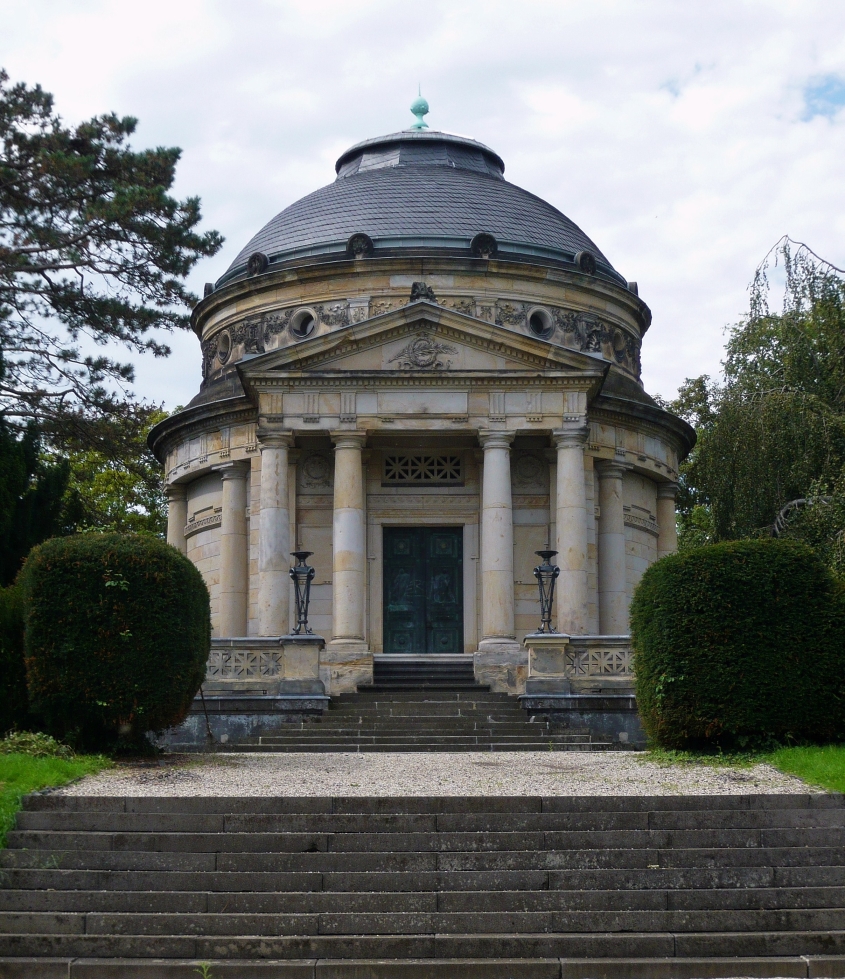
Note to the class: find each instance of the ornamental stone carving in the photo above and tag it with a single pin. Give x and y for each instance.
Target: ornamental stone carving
(510, 314)
(334, 314)
(530, 474)
(419, 290)
(423, 353)
(315, 473)
(359, 246)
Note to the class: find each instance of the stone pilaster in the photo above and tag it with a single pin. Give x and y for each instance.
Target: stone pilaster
(274, 535)
(348, 541)
(234, 553)
(497, 586)
(613, 592)
(571, 530)
(177, 516)
(667, 526)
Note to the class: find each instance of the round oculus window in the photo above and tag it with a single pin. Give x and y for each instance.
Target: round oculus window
(540, 323)
(224, 347)
(302, 324)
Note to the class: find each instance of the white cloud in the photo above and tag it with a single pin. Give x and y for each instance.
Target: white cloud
(684, 138)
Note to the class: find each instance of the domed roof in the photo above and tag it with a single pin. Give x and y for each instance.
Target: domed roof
(422, 191)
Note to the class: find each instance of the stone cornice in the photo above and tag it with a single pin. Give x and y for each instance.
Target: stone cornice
(461, 379)
(650, 420)
(191, 422)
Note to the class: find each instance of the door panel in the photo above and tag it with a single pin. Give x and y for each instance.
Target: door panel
(423, 590)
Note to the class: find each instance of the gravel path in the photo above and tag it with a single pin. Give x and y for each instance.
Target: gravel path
(430, 774)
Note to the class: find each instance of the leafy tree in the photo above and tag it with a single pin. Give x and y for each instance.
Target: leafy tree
(93, 251)
(774, 430)
(123, 494)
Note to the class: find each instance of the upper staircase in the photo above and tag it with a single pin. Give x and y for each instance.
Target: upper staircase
(438, 672)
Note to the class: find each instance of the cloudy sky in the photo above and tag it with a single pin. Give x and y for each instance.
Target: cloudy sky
(684, 137)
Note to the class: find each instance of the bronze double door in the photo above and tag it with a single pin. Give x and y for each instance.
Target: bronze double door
(423, 590)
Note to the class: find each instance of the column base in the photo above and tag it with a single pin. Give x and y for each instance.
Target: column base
(502, 664)
(499, 644)
(345, 663)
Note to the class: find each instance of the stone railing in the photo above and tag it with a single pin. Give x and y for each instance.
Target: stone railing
(599, 656)
(578, 663)
(244, 659)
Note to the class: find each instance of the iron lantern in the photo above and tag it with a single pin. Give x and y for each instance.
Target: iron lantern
(302, 575)
(546, 575)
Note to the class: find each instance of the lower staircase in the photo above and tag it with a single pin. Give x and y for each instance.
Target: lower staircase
(424, 888)
(447, 719)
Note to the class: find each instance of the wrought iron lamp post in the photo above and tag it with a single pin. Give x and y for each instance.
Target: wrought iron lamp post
(302, 575)
(546, 575)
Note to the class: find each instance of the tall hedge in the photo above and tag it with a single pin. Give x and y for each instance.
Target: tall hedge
(117, 634)
(739, 644)
(14, 704)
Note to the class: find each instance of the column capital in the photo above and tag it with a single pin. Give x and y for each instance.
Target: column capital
(349, 440)
(667, 491)
(176, 491)
(495, 440)
(274, 438)
(571, 437)
(233, 470)
(610, 468)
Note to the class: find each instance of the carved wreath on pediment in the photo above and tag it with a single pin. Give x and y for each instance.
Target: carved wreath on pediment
(423, 353)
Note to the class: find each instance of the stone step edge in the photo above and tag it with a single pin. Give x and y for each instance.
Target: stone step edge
(787, 967)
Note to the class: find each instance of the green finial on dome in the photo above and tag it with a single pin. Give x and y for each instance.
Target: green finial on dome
(419, 107)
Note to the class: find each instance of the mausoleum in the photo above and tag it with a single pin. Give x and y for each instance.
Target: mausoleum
(423, 374)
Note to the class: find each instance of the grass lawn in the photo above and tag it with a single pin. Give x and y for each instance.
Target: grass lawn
(823, 766)
(20, 774)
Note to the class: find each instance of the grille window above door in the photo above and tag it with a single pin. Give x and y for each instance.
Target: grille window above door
(409, 469)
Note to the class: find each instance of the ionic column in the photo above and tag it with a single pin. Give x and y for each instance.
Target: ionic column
(667, 527)
(177, 516)
(571, 530)
(274, 536)
(613, 591)
(348, 540)
(497, 608)
(234, 553)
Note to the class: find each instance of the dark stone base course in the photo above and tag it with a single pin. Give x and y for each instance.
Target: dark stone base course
(793, 967)
(610, 718)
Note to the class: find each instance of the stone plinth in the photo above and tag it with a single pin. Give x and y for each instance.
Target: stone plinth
(301, 665)
(549, 666)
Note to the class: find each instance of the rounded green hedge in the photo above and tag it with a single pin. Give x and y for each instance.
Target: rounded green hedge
(738, 645)
(117, 634)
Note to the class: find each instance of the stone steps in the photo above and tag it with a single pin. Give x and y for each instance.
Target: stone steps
(414, 720)
(96, 888)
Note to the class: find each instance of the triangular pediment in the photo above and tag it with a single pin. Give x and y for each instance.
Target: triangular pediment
(422, 339)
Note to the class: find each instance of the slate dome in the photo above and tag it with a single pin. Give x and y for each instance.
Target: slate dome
(424, 192)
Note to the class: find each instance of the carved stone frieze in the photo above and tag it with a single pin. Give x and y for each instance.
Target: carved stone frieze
(576, 329)
(465, 306)
(334, 314)
(381, 306)
(204, 523)
(510, 314)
